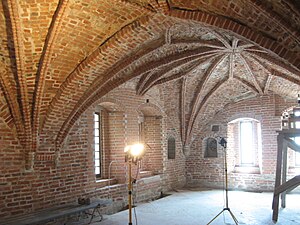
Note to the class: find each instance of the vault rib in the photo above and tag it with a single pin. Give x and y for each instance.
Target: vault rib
(199, 90)
(221, 38)
(205, 99)
(147, 81)
(268, 83)
(231, 60)
(24, 105)
(163, 79)
(44, 62)
(248, 69)
(273, 71)
(182, 109)
(265, 56)
(247, 84)
(210, 44)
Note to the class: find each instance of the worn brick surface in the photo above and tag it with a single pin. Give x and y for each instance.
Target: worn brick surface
(195, 61)
(209, 171)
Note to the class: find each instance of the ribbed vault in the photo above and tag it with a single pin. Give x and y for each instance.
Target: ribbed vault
(59, 57)
(211, 65)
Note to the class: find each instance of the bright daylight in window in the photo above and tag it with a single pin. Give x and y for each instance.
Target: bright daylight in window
(297, 140)
(97, 136)
(246, 143)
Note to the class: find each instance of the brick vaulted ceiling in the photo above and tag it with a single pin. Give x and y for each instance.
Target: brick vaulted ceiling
(58, 57)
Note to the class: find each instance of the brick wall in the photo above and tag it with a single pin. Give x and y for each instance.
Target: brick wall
(209, 171)
(62, 176)
(153, 139)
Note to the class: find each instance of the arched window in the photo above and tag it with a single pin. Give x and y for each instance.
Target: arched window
(98, 144)
(244, 138)
(247, 143)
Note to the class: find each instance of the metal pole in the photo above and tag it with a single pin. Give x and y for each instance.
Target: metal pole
(226, 177)
(226, 190)
(129, 192)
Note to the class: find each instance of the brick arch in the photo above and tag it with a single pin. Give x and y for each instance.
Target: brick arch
(85, 100)
(117, 105)
(45, 60)
(155, 110)
(83, 72)
(17, 92)
(6, 116)
(9, 104)
(237, 117)
(71, 83)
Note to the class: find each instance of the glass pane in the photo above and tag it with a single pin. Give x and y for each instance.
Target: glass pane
(97, 163)
(297, 154)
(97, 147)
(246, 143)
(96, 117)
(297, 140)
(97, 155)
(97, 170)
(97, 140)
(297, 125)
(96, 132)
(297, 158)
(97, 125)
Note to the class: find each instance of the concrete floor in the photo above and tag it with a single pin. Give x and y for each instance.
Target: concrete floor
(196, 207)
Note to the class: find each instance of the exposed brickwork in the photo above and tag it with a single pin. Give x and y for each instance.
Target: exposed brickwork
(5, 114)
(209, 171)
(154, 157)
(21, 81)
(195, 61)
(82, 36)
(100, 72)
(56, 47)
(258, 15)
(73, 175)
(7, 82)
(239, 29)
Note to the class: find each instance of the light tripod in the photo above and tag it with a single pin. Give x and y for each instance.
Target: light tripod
(223, 143)
(133, 153)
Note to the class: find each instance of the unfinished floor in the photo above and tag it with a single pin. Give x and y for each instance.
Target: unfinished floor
(198, 207)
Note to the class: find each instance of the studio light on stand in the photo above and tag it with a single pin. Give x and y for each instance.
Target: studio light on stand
(133, 154)
(223, 143)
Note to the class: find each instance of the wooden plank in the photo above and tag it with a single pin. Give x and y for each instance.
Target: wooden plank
(284, 173)
(292, 144)
(280, 146)
(295, 181)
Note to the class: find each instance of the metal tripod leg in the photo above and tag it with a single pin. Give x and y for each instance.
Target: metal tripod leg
(215, 217)
(231, 214)
(96, 209)
(233, 217)
(223, 143)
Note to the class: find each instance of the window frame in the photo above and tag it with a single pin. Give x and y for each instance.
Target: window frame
(98, 128)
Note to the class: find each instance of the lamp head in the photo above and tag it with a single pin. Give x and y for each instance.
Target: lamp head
(223, 142)
(135, 151)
